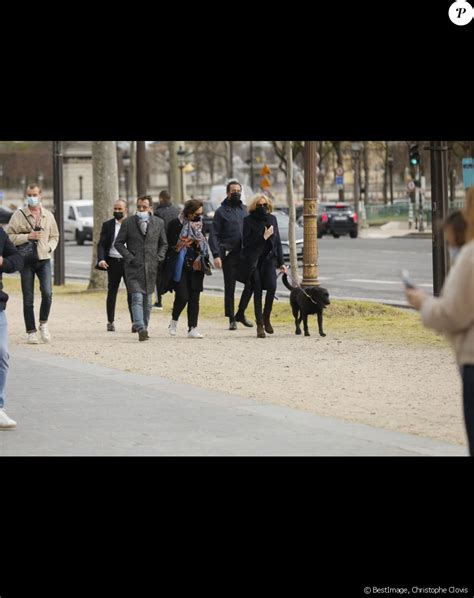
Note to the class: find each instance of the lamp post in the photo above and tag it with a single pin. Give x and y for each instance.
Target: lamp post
(356, 147)
(59, 277)
(80, 186)
(181, 153)
(439, 209)
(126, 176)
(310, 247)
(390, 174)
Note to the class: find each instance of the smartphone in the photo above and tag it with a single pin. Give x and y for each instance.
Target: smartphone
(407, 281)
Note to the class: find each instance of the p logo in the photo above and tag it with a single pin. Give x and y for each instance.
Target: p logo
(461, 12)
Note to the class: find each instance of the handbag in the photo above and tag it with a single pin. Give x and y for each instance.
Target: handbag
(28, 250)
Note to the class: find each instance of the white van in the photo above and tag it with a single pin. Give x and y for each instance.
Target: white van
(78, 223)
(219, 193)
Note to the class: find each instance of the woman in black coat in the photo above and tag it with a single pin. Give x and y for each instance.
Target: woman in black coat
(187, 260)
(262, 254)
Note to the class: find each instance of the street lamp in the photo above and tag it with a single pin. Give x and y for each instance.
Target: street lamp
(80, 186)
(356, 148)
(181, 153)
(390, 174)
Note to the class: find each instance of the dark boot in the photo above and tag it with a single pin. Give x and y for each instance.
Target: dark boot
(267, 323)
(232, 324)
(239, 317)
(260, 330)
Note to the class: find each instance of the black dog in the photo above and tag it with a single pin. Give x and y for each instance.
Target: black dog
(311, 300)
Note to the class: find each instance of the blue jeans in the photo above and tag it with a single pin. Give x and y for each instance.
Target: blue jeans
(141, 309)
(42, 269)
(3, 356)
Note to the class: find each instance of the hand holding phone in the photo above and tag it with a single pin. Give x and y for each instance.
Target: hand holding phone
(407, 281)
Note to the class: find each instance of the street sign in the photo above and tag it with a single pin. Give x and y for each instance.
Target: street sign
(265, 170)
(411, 185)
(339, 180)
(468, 172)
(265, 183)
(339, 171)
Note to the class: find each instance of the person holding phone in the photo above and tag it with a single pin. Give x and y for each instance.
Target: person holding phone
(452, 313)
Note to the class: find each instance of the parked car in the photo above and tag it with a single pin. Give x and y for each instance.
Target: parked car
(5, 214)
(336, 219)
(209, 208)
(283, 225)
(78, 220)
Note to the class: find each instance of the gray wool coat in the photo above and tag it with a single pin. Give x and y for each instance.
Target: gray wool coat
(141, 253)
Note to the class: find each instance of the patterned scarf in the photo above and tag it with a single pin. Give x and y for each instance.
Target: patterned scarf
(193, 231)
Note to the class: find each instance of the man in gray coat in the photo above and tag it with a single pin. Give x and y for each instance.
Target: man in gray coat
(142, 243)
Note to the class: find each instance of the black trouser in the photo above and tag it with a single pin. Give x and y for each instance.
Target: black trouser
(115, 274)
(185, 294)
(468, 403)
(257, 296)
(229, 268)
(158, 282)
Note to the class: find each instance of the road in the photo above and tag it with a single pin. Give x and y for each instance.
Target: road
(356, 268)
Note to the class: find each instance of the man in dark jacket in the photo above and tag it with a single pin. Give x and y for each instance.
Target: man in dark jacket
(108, 258)
(10, 261)
(167, 212)
(142, 242)
(226, 243)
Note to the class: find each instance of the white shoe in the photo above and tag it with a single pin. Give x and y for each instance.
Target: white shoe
(44, 332)
(32, 338)
(173, 327)
(6, 423)
(193, 333)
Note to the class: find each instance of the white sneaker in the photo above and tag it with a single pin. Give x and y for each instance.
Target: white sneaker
(32, 338)
(193, 333)
(173, 327)
(45, 335)
(6, 423)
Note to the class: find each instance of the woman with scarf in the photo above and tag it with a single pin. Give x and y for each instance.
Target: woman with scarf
(187, 260)
(262, 254)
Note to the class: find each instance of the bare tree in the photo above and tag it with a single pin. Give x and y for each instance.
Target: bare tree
(292, 211)
(142, 171)
(105, 184)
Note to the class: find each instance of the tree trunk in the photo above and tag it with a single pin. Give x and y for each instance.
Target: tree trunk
(175, 178)
(292, 212)
(133, 174)
(385, 175)
(365, 154)
(105, 184)
(340, 162)
(142, 170)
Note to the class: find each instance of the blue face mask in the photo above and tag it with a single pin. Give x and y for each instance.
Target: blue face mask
(453, 253)
(32, 201)
(143, 215)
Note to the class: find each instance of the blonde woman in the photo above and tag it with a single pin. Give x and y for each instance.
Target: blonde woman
(262, 255)
(452, 313)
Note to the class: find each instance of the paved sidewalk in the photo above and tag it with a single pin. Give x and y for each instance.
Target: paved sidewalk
(67, 407)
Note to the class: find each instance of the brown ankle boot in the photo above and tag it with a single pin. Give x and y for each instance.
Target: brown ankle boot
(260, 330)
(267, 324)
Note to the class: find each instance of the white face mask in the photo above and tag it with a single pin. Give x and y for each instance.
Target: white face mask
(143, 215)
(453, 253)
(33, 200)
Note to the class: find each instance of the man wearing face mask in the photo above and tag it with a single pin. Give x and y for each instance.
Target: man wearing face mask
(142, 243)
(225, 241)
(108, 258)
(35, 223)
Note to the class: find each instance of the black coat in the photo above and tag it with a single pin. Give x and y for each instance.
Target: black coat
(141, 253)
(106, 240)
(167, 213)
(227, 227)
(12, 262)
(167, 283)
(255, 246)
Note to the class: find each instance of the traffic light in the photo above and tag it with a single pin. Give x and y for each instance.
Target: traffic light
(414, 154)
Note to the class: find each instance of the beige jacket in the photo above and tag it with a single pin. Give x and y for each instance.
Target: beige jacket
(18, 231)
(452, 313)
